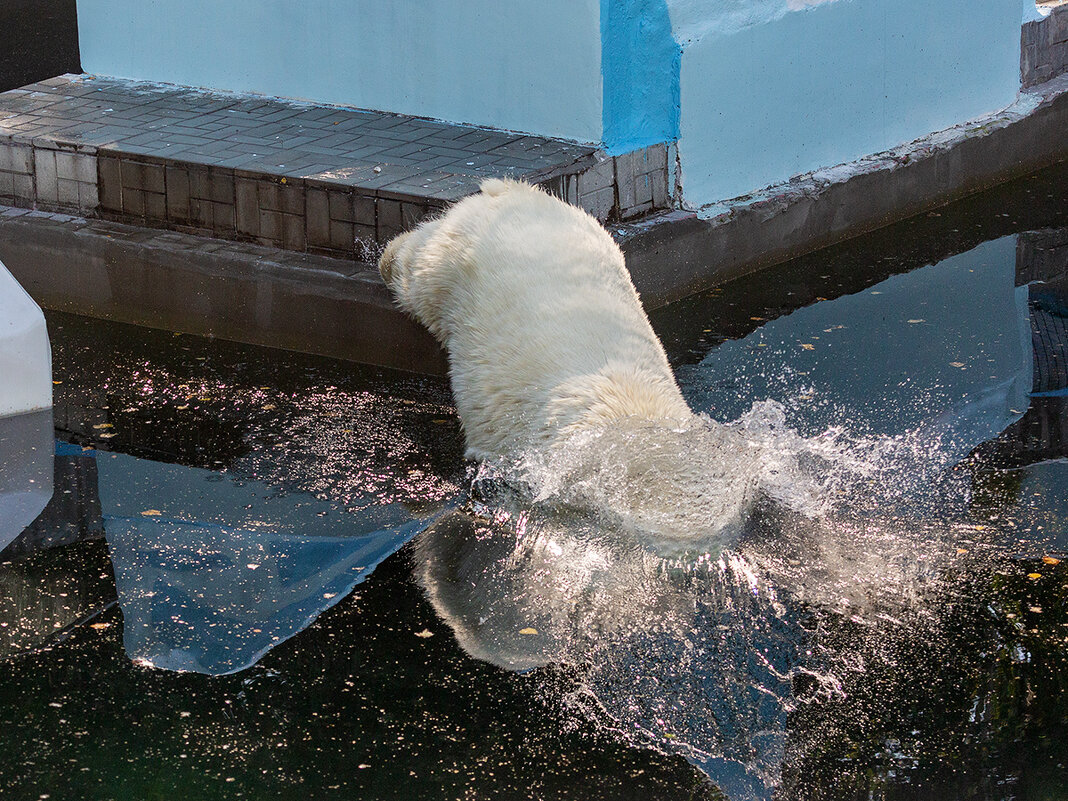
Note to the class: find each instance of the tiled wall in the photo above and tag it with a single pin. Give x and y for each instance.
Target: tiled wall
(619, 187)
(1044, 53)
(278, 211)
(301, 214)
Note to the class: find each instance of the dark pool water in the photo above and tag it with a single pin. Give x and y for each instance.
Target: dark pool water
(265, 575)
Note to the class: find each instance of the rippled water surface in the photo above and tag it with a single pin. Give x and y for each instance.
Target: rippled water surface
(264, 575)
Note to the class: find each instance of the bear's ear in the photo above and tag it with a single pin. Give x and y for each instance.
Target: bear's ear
(494, 187)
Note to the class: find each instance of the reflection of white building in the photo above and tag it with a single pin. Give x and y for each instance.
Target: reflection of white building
(752, 91)
(945, 349)
(211, 573)
(969, 353)
(666, 655)
(25, 409)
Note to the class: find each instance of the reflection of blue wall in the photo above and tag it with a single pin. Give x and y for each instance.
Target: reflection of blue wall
(640, 63)
(946, 347)
(212, 573)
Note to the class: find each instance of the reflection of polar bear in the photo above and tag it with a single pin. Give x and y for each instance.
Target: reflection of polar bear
(665, 655)
(547, 340)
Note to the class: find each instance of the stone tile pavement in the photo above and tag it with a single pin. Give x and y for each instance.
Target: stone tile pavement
(277, 172)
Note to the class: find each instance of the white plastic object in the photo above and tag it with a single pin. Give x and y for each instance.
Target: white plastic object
(27, 445)
(25, 356)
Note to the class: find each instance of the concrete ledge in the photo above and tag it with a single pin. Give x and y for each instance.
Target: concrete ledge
(340, 308)
(240, 292)
(324, 180)
(677, 254)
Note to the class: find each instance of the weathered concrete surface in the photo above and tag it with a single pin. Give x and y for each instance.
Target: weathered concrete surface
(1044, 46)
(679, 253)
(245, 293)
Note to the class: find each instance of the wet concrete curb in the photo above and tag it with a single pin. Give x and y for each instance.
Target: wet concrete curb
(240, 292)
(677, 254)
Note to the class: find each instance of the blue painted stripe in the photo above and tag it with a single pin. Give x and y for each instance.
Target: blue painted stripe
(640, 63)
(1053, 393)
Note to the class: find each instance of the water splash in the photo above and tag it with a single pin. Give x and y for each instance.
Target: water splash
(557, 560)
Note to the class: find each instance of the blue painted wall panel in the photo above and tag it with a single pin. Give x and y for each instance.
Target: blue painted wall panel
(824, 85)
(640, 62)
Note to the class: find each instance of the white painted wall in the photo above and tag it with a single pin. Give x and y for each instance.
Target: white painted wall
(775, 88)
(767, 89)
(523, 66)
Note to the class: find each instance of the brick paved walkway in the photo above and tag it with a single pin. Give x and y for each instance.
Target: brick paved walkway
(415, 156)
(277, 172)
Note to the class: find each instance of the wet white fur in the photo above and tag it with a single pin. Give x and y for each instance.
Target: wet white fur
(557, 373)
(544, 330)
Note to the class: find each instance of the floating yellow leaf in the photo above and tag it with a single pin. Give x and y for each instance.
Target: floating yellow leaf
(528, 631)
(108, 435)
(99, 626)
(1051, 560)
(1034, 576)
(424, 633)
(913, 322)
(151, 513)
(268, 406)
(961, 550)
(103, 425)
(956, 364)
(808, 346)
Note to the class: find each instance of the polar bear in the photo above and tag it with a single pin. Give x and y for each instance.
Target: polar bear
(552, 355)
